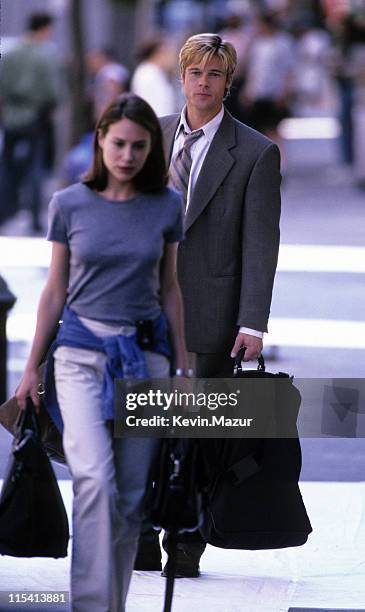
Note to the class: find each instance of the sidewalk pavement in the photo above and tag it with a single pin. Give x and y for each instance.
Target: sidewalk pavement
(327, 572)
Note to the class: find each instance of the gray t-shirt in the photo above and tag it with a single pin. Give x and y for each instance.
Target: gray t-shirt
(115, 250)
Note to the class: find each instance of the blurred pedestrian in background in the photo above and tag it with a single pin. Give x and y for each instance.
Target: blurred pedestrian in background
(153, 78)
(266, 95)
(77, 160)
(347, 66)
(108, 78)
(239, 31)
(114, 244)
(311, 82)
(30, 90)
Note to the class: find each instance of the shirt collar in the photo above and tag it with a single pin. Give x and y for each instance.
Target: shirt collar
(209, 128)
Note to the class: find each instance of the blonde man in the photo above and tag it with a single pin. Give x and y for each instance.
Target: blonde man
(229, 176)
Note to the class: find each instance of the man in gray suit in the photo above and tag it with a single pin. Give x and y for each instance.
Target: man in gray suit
(229, 176)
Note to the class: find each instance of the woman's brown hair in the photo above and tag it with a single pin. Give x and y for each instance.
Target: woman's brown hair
(153, 176)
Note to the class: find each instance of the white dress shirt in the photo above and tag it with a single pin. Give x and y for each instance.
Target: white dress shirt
(198, 151)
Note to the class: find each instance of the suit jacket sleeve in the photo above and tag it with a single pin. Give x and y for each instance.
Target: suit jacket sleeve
(260, 239)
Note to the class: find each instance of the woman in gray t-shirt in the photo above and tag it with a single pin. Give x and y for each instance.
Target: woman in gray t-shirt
(114, 238)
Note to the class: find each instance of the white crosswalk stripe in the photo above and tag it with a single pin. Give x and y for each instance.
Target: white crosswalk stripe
(36, 252)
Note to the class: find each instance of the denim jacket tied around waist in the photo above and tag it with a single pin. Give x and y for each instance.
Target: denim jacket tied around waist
(124, 358)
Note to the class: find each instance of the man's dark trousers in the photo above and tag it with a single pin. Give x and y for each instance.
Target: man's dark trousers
(210, 365)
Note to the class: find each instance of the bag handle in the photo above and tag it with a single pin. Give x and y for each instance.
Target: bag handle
(238, 359)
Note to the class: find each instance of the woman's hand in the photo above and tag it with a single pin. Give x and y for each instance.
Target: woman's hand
(28, 387)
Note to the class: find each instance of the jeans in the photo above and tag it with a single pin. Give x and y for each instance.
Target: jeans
(22, 172)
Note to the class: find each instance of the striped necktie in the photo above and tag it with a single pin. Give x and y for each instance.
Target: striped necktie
(180, 166)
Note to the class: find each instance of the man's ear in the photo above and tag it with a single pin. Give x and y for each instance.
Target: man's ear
(228, 86)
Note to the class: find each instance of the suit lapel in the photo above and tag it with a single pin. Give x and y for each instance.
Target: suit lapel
(216, 165)
(169, 127)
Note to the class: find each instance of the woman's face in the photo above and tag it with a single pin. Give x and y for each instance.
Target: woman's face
(125, 148)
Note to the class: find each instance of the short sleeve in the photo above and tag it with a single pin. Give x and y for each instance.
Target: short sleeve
(174, 232)
(57, 230)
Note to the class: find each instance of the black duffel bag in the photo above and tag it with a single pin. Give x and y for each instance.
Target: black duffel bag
(254, 500)
(33, 519)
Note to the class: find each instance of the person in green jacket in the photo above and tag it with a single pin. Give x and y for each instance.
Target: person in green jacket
(30, 89)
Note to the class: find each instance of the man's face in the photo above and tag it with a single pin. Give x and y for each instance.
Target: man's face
(204, 88)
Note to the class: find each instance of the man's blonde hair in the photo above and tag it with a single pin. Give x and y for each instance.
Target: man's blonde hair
(202, 48)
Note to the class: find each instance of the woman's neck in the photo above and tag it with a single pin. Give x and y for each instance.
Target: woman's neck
(119, 191)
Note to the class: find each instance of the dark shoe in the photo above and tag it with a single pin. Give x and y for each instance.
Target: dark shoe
(187, 563)
(148, 557)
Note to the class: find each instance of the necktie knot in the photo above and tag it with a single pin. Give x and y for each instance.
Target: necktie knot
(191, 137)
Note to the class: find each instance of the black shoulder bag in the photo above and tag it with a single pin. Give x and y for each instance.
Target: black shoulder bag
(33, 519)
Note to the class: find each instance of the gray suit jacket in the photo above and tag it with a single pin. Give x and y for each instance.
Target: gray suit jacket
(227, 262)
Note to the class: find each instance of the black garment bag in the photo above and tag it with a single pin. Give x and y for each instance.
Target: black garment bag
(33, 519)
(254, 500)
